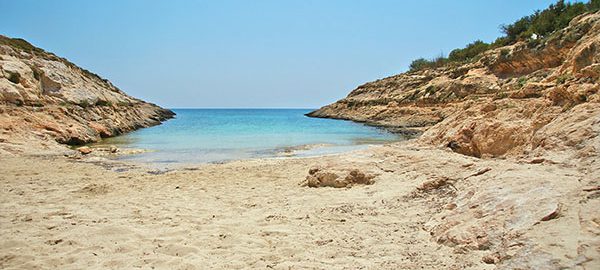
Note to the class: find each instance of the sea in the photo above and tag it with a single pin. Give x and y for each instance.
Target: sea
(220, 135)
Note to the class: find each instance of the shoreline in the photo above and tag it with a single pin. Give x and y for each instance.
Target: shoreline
(126, 156)
(412, 132)
(119, 153)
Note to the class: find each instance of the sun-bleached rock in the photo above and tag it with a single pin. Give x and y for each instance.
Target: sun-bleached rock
(43, 93)
(494, 106)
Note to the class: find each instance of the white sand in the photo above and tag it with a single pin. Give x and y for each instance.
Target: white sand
(58, 213)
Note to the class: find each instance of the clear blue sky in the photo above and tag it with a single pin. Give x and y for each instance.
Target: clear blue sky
(222, 53)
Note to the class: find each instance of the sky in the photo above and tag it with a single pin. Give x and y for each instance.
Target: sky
(253, 54)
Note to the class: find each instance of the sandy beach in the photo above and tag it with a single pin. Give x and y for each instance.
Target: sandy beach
(487, 157)
(61, 213)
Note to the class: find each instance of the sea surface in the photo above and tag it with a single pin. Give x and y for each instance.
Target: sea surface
(218, 135)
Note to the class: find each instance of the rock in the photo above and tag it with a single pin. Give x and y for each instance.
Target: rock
(440, 187)
(100, 129)
(357, 177)
(588, 189)
(324, 179)
(314, 170)
(320, 177)
(553, 214)
(10, 93)
(492, 107)
(488, 107)
(537, 160)
(450, 206)
(113, 149)
(490, 259)
(480, 172)
(45, 93)
(84, 150)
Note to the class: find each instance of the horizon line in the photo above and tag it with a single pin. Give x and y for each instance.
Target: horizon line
(240, 108)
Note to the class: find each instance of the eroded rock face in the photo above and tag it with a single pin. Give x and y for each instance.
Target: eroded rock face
(495, 106)
(48, 98)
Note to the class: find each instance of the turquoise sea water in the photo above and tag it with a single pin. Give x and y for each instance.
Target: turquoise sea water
(214, 135)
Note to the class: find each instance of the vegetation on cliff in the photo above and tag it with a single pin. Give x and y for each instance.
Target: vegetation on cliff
(509, 100)
(530, 28)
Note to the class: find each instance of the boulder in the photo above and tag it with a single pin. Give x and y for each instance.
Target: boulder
(320, 177)
(84, 150)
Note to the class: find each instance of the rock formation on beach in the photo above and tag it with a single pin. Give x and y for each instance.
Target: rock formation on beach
(514, 100)
(531, 113)
(46, 99)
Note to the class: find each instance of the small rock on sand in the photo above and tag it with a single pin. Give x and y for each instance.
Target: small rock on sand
(84, 150)
(319, 177)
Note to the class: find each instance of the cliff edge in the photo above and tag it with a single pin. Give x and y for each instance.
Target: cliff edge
(526, 117)
(514, 100)
(46, 99)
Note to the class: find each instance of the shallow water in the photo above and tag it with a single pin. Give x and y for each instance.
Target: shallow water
(215, 135)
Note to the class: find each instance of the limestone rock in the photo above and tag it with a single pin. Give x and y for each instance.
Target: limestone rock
(495, 106)
(84, 150)
(320, 177)
(41, 93)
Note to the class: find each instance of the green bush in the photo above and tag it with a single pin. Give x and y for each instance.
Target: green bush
(423, 63)
(469, 52)
(593, 5)
(562, 78)
(101, 102)
(84, 104)
(522, 81)
(430, 90)
(542, 23)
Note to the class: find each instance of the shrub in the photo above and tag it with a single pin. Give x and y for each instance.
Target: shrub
(123, 103)
(501, 95)
(419, 64)
(430, 90)
(19, 44)
(423, 63)
(469, 52)
(522, 81)
(84, 104)
(101, 102)
(562, 78)
(593, 5)
(542, 23)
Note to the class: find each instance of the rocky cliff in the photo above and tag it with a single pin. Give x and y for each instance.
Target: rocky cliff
(45, 98)
(531, 113)
(533, 95)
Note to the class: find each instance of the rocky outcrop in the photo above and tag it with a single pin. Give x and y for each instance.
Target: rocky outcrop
(336, 177)
(536, 106)
(45, 97)
(509, 102)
